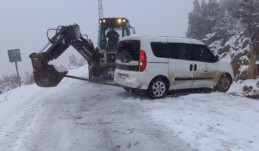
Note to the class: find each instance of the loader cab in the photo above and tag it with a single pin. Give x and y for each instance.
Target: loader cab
(120, 25)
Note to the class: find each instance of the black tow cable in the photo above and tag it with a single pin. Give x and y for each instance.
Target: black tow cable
(85, 79)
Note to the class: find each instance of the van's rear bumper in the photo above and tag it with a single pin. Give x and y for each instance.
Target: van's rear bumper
(128, 79)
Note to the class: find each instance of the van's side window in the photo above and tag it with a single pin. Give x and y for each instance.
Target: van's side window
(159, 49)
(179, 51)
(202, 53)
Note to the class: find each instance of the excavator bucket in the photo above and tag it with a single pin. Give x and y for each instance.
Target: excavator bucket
(45, 75)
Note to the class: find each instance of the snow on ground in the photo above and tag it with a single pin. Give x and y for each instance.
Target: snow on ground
(237, 87)
(211, 121)
(78, 115)
(10, 99)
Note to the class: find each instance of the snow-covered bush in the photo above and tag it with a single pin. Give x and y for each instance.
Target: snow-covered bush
(11, 82)
(75, 62)
(28, 78)
(8, 83)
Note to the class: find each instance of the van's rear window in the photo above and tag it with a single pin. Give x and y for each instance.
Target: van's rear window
(128, 51)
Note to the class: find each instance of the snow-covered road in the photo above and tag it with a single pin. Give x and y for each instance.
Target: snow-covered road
(82, 116)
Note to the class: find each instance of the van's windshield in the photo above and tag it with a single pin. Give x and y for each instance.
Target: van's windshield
(128, 51)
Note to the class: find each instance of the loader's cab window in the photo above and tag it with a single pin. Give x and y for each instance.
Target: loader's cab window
(108, 39)
(111, 36)
(119, 31)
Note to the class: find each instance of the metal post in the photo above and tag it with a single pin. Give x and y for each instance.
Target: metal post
(100, 5)
(18, 76)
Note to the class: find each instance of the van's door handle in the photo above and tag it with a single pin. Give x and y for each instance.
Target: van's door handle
(191, 67)
(195, 67)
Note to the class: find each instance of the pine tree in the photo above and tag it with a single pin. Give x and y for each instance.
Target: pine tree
(248, 15)
(203, 4)
(209, 13)
(195, 19)
(226, 24)
(197, 6)
(228, 18)
(256, 21)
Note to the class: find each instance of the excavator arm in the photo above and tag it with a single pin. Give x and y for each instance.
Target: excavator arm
(45, 75)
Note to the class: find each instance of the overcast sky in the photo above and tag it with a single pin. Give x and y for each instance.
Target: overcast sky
(24, 22)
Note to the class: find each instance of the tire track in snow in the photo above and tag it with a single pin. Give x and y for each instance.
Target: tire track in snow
(8, 119)
(5, 98)
(121, 125)
(13, 133)
(40, 130)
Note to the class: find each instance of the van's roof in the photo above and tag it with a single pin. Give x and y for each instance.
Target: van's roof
(162, 38)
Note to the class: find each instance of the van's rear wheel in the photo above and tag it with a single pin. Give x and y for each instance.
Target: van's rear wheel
(127, 89)
(224, 83)
(158, 88)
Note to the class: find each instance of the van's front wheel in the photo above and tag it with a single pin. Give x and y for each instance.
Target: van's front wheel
(224, 83)
(158, 88)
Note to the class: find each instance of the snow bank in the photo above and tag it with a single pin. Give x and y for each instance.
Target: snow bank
(237, 87)
(211, 122)
(13, 98)
(79, 71)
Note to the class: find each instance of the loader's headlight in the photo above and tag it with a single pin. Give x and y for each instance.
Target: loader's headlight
(119, 21)
(124, 20)
(102, 21)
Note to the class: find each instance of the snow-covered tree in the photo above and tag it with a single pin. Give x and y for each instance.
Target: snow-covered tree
(249, 15)
(195, 20)
(202, 19)
(73, 60)
(231, 29)
(226, 24)
(209, 13)
(227, 17)
(203, 4)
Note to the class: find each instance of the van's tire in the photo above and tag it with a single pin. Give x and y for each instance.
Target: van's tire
(158, 88)
(127, 89)
(224, 83)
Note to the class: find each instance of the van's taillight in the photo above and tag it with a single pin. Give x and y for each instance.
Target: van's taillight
(142, 61)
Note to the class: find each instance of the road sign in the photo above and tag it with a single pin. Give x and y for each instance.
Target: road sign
(14, 55)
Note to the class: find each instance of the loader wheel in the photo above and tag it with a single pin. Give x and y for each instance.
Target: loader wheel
(96, 72)
(224, 83)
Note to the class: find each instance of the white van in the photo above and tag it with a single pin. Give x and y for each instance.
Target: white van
(159, 64)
